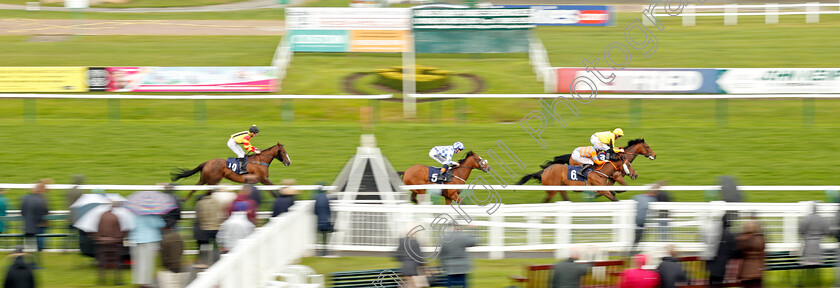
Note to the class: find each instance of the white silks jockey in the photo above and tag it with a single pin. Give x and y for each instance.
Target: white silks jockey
(443, 155)
(587, 155)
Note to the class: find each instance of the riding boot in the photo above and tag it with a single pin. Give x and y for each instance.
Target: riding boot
(448, 177)
(241, 165)
(582, 171)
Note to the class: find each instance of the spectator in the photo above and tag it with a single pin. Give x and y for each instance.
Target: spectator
(286, 198)
(33, 208)
(664, 216)
(171, 249)
(408, 253)
(250, 205)
(729, 189)
(642, 202)
(453, 256)
(4, 203)
(207, 223)
(324, 214)
(145, 239)
(567, 273)
(726, 248)
(172, 217)
(256, 194)
(812, 229)
(236, 227)
(638, 277)
(751, 246)
(73, 194)
(20, 273)
(670, 270)
(109, 238)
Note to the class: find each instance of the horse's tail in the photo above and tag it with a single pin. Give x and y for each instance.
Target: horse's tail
(184, 173)
(562, 159)
(528, 177)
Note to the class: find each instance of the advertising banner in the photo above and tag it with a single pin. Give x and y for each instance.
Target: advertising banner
(639, 80)
(328, 18)
(378, 40)
(191, 79)
(569, 15)
(43, 79)
(319, 40)
(471, 18)
(779, 80)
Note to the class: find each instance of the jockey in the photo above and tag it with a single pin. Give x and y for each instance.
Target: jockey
(443, 155)
(588, 156)
(602, 141)
(243, 138)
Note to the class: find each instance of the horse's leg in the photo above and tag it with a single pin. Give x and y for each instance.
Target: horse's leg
(549, 195)
(608, 195)
(565, 196)
(200, 182)
(414, 196)
(265, 181)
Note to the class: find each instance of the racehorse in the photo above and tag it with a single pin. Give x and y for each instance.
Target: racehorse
(419, 175)
(634, 148)
(557, 174)
(213, 171)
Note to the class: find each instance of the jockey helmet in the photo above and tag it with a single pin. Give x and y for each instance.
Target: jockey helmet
(254, 129)
(458, 145)
(618, 132)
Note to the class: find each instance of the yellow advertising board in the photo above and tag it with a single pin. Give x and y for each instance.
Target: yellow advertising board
(43, 79)
(378, 40)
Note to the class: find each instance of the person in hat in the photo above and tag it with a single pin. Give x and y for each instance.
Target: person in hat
(244, 196)
(243, 138)
(286, 198)
(236, 227)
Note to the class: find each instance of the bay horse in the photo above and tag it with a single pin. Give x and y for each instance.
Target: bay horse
(419, 175)
(557, 174)
(634, 148)
(214, 170)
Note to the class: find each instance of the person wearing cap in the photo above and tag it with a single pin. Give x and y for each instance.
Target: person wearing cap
(286, 198)
(603, 141)
(244, 196)
(443, 155)
(243, 138)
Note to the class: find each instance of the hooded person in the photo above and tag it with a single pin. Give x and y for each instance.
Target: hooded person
(20, 273)
(286, 198)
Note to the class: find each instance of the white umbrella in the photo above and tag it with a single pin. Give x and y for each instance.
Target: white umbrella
(89, 198)
(90, 221)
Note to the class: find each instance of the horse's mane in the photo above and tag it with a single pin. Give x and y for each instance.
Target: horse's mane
(635, 141)
(466, 157)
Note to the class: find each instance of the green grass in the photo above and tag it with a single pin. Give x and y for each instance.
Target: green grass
(137, 3)
(255, 14)
(72, 270)
(494, 273)
(141, 51)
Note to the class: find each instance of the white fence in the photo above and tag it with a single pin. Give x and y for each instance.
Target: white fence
(256, 260)
(282, 58)
(162, 187)
(192, 97)
(770, 11)
(609, 226)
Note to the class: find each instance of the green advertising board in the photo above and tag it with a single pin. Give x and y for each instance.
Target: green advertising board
(319, 40)
(471, 30)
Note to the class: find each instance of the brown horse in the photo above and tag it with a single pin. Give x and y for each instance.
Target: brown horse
(557, 174)
(634, 148)
(213, 171)
(419, 175)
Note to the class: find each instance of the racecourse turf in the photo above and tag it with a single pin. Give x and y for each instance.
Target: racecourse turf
(762, 142)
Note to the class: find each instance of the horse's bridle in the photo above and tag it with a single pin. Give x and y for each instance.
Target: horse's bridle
(646, 155)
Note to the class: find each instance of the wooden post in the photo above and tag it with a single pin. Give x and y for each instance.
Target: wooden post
(722, 112)
(114, 110)
(200, 110)
(808, 112)
(770, 10)
(731, 16)
(29, 110)
(635, 112)
(813, 10)
(287, 108)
